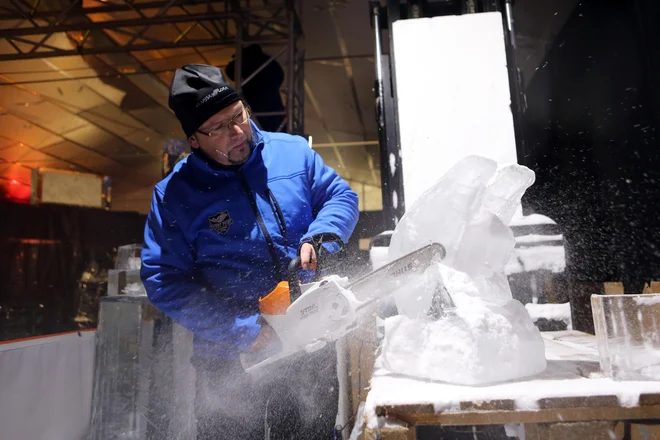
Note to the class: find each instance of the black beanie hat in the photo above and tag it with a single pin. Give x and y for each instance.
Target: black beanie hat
(198, 92)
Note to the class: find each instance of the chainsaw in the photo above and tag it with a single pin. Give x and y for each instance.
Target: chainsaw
(307, 316)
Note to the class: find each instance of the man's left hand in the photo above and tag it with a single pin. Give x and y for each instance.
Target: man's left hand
(264, 339)
(307, 257)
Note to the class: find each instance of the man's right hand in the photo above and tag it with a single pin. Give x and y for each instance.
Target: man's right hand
(307, 257)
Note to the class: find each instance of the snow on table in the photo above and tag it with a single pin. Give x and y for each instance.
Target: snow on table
(550, 258)
(533, 239)
(531, 220)
(572, 377)
(551, 312)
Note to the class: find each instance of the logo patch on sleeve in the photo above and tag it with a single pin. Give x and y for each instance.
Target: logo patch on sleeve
(220, 222)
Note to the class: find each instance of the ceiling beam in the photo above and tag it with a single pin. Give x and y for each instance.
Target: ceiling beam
(45, 153)
(18, 13)
(85, 147)
(111, 24)
(135, 48)
(65, 109)
(143, 23)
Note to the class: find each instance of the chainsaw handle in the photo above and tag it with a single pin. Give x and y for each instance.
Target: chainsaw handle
(322, 255)
(294, 280)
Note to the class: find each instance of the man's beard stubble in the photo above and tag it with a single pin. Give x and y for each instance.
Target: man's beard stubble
(241, 160)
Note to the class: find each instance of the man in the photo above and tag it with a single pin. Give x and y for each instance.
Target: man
(222, 229)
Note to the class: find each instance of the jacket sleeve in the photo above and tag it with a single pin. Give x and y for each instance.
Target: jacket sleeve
(334, 204)
(169, 279)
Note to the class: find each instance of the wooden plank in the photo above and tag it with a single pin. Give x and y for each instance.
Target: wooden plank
(406, 413)
(616, 288)
(579, 402)
(594, 430)
(421, 415)
(613, 288)
(393, 433)
(534, 431)
(638, 431)
(489, 405)
(649, 399)
(361, 353)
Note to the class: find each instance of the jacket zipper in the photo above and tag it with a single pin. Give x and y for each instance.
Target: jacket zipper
(262, 226)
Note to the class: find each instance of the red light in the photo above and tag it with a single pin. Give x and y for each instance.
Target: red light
(14, 182)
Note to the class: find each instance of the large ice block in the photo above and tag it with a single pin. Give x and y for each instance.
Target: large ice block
(628, 335)
(445, 90)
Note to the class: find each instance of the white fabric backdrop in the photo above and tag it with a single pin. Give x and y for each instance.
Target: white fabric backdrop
(46, 387)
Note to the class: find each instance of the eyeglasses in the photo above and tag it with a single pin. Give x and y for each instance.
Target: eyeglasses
(223, 129)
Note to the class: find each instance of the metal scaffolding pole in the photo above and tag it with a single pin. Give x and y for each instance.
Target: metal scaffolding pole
(300, 91)
(291, 68)
(239, 55)
(34, 32)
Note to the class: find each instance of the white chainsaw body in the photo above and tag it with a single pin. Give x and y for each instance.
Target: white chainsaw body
(324, 312)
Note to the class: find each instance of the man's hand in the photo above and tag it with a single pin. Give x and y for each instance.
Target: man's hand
(307, 256)
(265, 338)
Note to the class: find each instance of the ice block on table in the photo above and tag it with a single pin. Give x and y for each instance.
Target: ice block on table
(628, 335)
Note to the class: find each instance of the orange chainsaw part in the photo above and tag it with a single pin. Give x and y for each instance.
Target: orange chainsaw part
(277, 301)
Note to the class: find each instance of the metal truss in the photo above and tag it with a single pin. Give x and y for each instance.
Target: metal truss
(94, 27)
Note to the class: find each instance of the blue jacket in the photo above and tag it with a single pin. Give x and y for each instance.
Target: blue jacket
(206, 258)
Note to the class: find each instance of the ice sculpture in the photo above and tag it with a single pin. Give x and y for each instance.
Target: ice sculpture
(458, 322)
